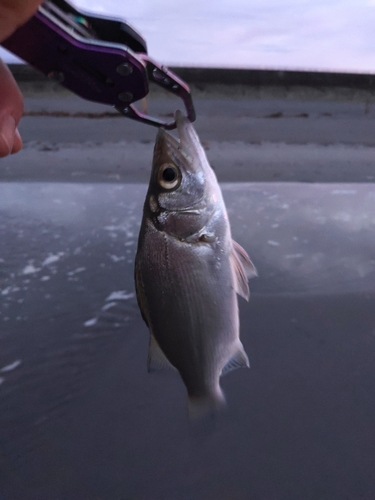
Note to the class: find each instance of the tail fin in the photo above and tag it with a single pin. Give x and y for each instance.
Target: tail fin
(203, 406)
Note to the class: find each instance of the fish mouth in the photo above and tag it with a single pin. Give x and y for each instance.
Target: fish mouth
(190, 145)
(189, 139)
(179, 150)
(168, 148)
(185, 150)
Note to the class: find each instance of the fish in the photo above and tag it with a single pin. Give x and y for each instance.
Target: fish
(188, 270)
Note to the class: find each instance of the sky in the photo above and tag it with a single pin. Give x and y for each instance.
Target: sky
(319, 35)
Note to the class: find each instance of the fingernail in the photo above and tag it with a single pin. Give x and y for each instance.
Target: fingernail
(17, 143)
(7, 130)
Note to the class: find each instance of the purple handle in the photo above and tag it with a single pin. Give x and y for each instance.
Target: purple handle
(95, 70)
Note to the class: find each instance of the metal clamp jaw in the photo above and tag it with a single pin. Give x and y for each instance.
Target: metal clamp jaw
(100, 59)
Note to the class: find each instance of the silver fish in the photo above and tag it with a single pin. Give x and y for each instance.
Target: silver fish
(188, 270)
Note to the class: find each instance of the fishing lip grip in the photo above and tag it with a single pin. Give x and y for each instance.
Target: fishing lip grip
(98, 58)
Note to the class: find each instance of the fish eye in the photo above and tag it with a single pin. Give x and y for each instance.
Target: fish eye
(169, 176)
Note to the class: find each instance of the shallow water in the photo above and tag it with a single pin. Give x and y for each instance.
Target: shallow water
(81, 418)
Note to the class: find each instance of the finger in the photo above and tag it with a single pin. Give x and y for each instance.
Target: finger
(13, 13)
(11, 109)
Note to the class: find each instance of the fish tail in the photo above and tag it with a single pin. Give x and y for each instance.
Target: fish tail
(202, 406)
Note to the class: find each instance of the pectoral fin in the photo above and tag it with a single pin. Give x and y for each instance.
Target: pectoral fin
(239, 360)
(157, 360)
(243, 269)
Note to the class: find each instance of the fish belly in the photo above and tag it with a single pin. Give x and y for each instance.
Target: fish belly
(191, 306)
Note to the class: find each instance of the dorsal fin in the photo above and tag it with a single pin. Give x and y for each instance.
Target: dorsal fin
(238, 360)
(157, 360)
(243, 268)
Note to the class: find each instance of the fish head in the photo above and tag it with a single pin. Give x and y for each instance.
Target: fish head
(181, 177)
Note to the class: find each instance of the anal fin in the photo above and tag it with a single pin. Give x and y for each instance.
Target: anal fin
(157, 360)
(239, 360)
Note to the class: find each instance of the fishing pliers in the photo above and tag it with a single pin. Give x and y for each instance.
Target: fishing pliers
(98, 58)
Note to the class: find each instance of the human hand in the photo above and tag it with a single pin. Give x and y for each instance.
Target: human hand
(11, 109)
(13, 13)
